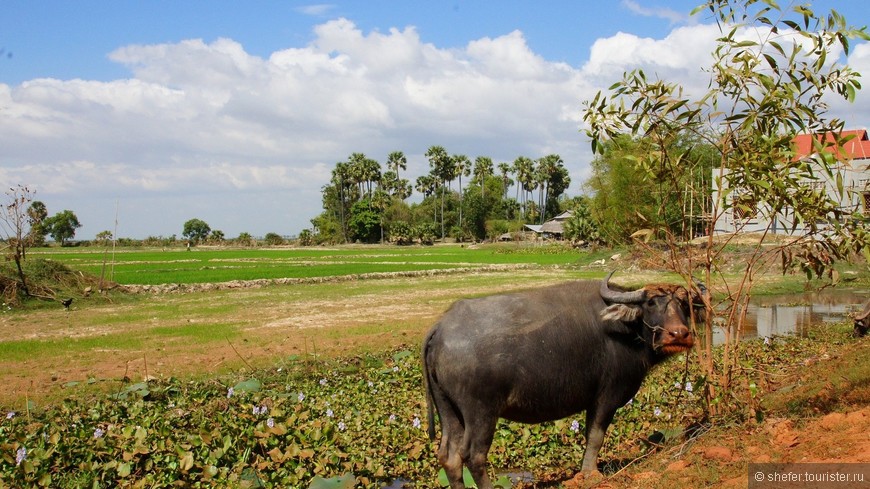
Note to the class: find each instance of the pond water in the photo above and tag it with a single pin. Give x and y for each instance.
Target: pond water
(794, 313)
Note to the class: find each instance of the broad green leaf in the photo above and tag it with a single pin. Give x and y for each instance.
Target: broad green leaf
(346, 481)
(466, 477)
(250, 385)
(401, 355)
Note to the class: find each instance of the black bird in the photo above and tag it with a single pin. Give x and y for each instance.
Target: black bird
(66, 302)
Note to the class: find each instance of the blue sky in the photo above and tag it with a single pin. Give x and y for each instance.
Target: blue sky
(235, 112)
(63, 39)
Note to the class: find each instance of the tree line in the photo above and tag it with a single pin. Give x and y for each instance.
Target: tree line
(462, 199)
(477, 200)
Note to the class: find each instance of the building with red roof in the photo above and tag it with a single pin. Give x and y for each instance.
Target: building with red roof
(853, 167)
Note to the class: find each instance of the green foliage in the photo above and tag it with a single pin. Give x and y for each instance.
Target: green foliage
(580, 226)
(273, 239)
(628, 195)
(62, 226)
(196, 230)
(306, 237)
(364, 224)
(400, 233)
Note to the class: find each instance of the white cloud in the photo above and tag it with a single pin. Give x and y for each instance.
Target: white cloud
(205, 129)
(317, 10)
(659, 12)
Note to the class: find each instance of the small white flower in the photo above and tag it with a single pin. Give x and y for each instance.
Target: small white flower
(270, 423)
(20, 456)
(341, 426)
(329, 413)
(10, 415)
(766, 340)
(689, 387)
(575, 426)
(657, 412)
(392, 418)
(99, 432)
(396, 368)
(322, 381)
(230, 392)
(371, 384)
(416, 422)
(301, 397)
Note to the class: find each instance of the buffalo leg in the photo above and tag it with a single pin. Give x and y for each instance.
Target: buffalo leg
(597, 422)
(478, 438)
(452, 435)
(450, 452)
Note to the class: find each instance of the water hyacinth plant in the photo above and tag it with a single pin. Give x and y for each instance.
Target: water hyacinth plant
(356, 421)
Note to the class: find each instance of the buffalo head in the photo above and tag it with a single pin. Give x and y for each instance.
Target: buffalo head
(661, 311)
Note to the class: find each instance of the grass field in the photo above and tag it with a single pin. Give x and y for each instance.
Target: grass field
(203, 265)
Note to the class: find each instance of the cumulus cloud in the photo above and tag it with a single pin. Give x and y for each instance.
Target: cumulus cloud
(208, 130)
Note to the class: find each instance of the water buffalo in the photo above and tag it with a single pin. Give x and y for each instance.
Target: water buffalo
(542, 355)
(862, 321)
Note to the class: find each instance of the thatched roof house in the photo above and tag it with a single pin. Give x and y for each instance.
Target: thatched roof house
(553, 227)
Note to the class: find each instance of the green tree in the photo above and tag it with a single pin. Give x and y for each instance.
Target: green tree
(37, 213)
(461, 166)
(273, 239)
(553, 181)
(196, 230)
(524, 168)
(245, 239)
(216, 236)
(764, 90)
(365, 222)
(396, 161)
(442, 170)
(306, 237)
(62, 226)
(580, 226)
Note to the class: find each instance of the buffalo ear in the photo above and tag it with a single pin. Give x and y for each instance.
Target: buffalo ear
(621, 312)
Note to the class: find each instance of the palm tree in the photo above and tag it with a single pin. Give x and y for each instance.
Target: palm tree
(524, 167)
(505, 169)
(483, 168)
(442, 168)
(461, 166)
(395, 161)
(553, 180)
(341, 178)
(427, 185)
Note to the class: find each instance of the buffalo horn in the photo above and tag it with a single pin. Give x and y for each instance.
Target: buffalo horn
(620, 297)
